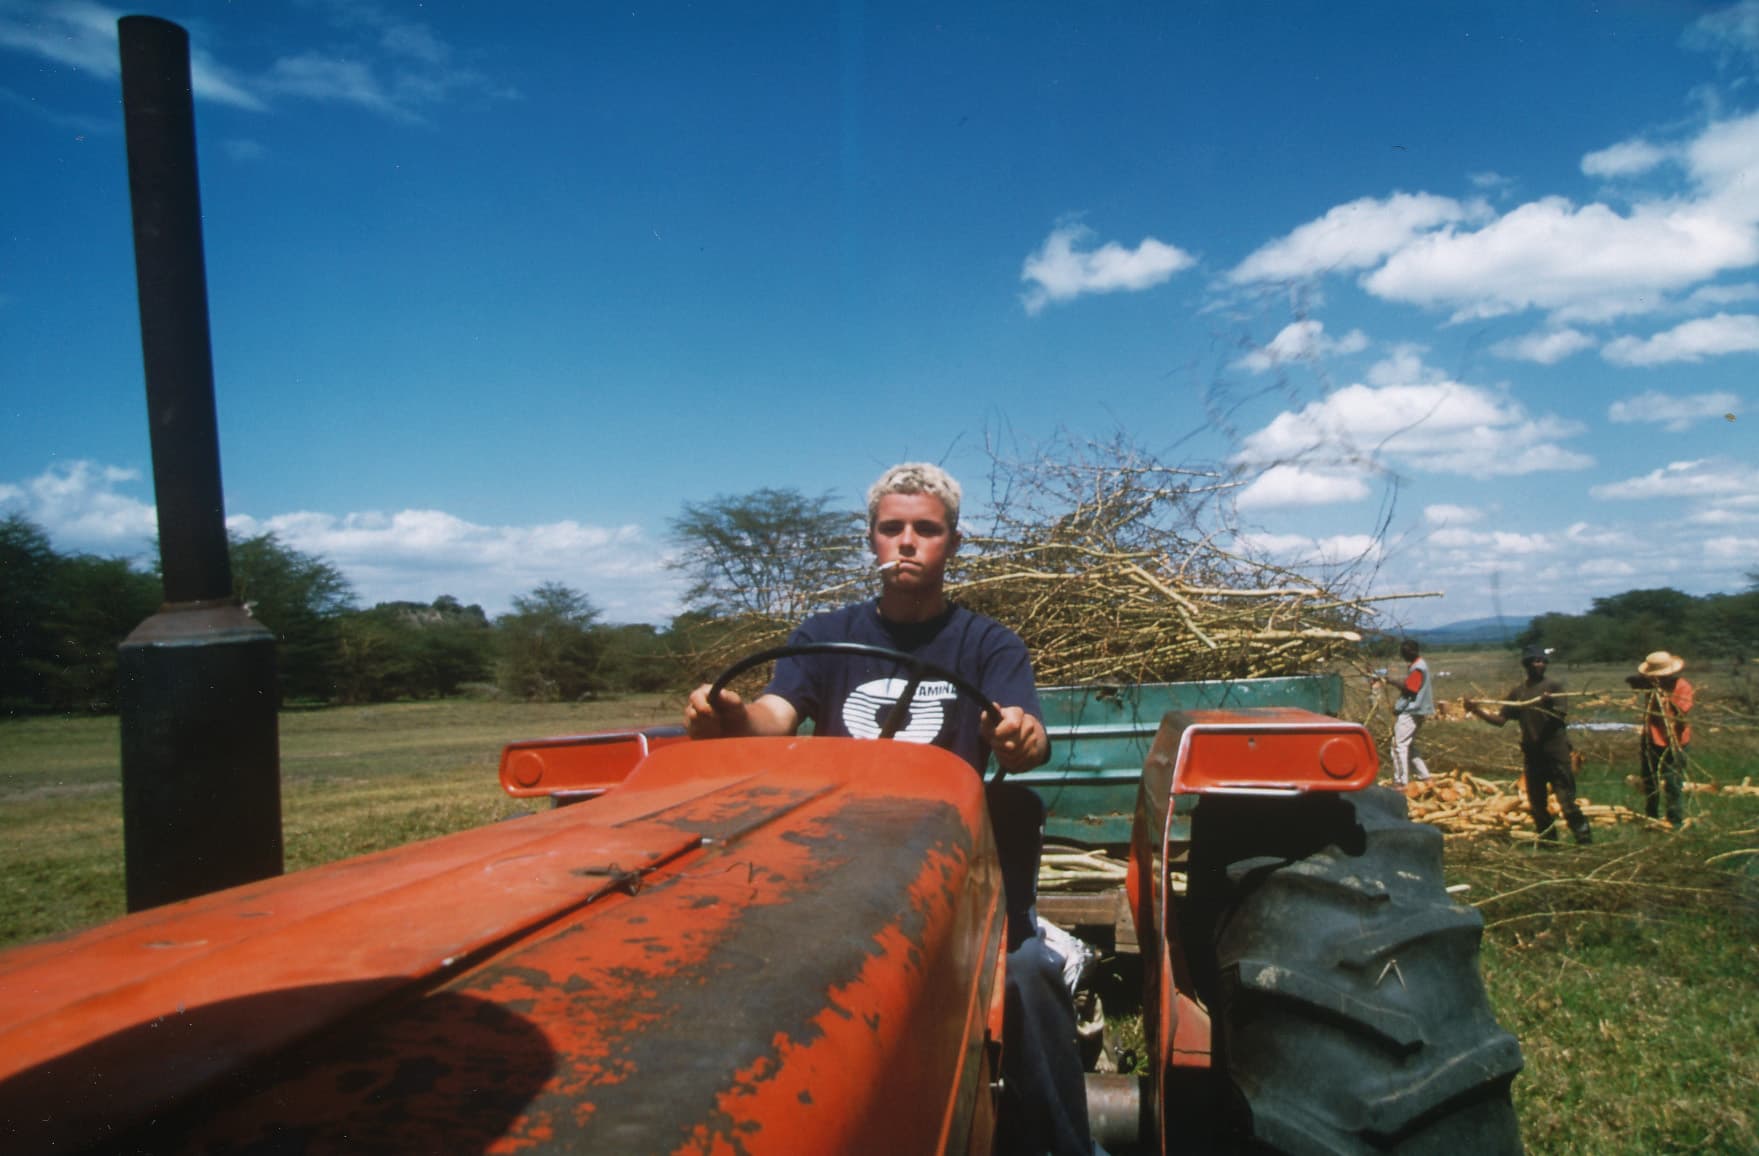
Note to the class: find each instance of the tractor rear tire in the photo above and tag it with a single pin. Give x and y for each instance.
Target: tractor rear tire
(1351, 1016)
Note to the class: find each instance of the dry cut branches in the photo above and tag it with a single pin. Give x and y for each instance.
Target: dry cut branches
(1116, 568)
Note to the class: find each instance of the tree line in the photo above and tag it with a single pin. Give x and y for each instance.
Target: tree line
(1625, 627)
(745, 557)
(63, 615)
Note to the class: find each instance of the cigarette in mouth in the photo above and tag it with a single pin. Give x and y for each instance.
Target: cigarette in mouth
(884, 566)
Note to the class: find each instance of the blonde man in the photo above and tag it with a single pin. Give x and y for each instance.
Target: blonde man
(913, 529)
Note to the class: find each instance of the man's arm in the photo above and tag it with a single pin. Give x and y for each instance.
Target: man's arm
(1016, 737)
(771, 714)
(1494, 720)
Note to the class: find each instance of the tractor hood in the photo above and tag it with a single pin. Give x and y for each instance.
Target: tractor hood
(766, 945)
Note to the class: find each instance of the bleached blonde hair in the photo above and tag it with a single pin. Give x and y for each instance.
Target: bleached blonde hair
(915, 478)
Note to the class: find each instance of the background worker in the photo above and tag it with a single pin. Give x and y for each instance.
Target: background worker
(1545, 745)
(913, 529)
(1413, 707)
(1667, 701)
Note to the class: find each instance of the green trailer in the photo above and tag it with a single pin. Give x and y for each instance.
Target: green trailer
(1100, 737)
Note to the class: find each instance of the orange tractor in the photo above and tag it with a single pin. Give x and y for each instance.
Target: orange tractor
(766, 945)
(784, 945)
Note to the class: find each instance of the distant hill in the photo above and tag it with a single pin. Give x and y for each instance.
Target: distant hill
(1474, 631)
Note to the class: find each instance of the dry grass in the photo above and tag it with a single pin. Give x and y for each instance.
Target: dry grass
(353, 780)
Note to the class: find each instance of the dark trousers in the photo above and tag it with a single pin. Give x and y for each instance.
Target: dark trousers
(1548, 767)
(1044, 1090)
(1668, 765)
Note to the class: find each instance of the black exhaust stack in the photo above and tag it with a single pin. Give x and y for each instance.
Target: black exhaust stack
(201, 779)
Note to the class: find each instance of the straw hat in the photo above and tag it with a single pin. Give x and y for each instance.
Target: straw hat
(1661, 664)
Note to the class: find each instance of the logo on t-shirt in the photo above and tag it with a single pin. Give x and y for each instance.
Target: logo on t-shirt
(869, 705)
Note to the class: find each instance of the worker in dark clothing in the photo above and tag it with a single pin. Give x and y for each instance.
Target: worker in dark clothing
(1545, 745)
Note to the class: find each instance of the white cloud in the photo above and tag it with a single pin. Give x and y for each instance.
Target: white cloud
(1302, 341)
(1625, 159)
(79, 503)
(413, 555)
(1354, 236)
(1404, 365)
(1741, 551)
(1586, 535)
(1689, 341)
(1705, 478)
(1300, 549)
(1503, 543)
(339, 80)
(1444, 428)
(1733, 513)
(1605, 568)
(387, 65)
(1721, 162)
(1674, 412)
(1547, 347)
(418, 554)
(1715, 296)
(1060, 272)
(1587, 261)
(1577, 262)
(1733, 31)
(83, 36)
(1442, 514)
(1283, 486)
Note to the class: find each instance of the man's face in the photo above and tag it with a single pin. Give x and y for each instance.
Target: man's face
(1535, 667)
(911, 530)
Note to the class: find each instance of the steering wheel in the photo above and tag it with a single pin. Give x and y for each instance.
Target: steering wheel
(899, 714)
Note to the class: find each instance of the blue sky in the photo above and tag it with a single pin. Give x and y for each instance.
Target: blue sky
(495, 289)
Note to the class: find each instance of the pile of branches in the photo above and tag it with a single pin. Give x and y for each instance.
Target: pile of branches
(1114, 567)
(1461, 803)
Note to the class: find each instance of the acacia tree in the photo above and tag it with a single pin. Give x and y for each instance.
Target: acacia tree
(412, 650)
(765, 554)
(301, 598)
(61, 617)
(550, 648)
(27, 567)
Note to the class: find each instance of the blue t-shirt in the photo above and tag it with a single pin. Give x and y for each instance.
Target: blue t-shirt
(850, 696)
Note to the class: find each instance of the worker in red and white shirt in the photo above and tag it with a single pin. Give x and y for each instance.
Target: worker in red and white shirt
(1667, 706)
(1416, 702)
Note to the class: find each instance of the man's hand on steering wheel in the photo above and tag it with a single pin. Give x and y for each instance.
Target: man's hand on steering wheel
(1016, 738)
(703, 721)
(726, 715)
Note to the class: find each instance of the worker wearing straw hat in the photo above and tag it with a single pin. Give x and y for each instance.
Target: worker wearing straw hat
(1667, 705)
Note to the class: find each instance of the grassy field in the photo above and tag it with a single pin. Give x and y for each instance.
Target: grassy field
(353, 779)
(1629, 969)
